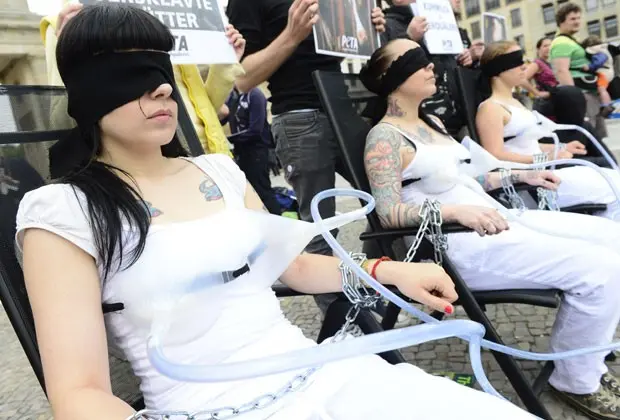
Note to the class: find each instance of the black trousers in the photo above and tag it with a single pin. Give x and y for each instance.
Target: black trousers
(254, 162)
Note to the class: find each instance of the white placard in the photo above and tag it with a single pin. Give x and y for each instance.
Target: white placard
(345, 29)
(443, 36)
(494, 28)
(198, 27)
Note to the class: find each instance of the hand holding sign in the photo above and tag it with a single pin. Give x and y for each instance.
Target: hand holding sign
(417, 28)
(443, 36)
(236, 40)
(302, 16)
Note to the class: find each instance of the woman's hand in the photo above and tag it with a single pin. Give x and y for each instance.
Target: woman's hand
(425, 283)
(544, 179)
(543, 95)
(65, 15)
(378, 19)
(484, 220)
(576, 148)
(236, 40)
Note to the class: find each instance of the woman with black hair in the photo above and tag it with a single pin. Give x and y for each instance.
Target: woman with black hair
(407, 157)
(131, 217)
(507, 130)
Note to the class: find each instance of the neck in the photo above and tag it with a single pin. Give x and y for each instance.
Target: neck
(566, 32)
(399, 108)
(500, 89)
(139, 163)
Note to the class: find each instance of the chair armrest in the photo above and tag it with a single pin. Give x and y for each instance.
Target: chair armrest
(519, 186)
(397, 233)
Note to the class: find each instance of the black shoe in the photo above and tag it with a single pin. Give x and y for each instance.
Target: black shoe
(600, 405)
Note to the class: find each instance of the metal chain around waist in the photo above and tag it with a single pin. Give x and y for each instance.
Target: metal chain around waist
(356, 291)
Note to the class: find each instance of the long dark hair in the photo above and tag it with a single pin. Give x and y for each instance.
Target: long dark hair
(371, 75)
(111, 201)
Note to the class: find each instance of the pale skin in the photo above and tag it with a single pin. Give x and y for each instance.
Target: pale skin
(388, 153)
(492, 117)
(66, 282)
(302, 16)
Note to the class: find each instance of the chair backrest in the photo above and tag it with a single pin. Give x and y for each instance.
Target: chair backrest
(345, 99)
(468, 95)
(32, 119)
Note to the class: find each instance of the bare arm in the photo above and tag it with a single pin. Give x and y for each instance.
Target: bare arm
(561, 69)
(490, 125)
(261, 65)
(63, 287)
(531, 71)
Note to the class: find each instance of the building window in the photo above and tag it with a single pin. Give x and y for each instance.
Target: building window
(548, 13)
(492, 4)
(591, 5)
(594, 27)
(608, 3)
(611, 26)
(521, 41)
(475, 30)
(472, 7)
(512, 1)
(515, 17)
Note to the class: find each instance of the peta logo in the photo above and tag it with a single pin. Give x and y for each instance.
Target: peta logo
(349, 43)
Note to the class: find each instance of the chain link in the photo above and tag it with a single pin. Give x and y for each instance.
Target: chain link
(430, 226)
(547, 199)
(515, 200)
(356, 291)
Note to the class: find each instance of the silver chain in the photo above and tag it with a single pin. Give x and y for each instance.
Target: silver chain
(515, 200)
(430, 226)
(547, 199)
(358, 293)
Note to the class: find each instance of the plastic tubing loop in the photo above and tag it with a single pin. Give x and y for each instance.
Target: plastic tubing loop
(476, 342)
(594, 141)
(577, 162)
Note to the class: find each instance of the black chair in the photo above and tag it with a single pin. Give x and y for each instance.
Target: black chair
(344, 99)
(33, 118)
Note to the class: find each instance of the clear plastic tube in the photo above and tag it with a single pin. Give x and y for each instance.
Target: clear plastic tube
(475, 346)
(371, 344)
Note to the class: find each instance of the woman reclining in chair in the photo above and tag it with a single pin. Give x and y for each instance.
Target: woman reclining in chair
(132, 209)
(410, 148)
(503, 123)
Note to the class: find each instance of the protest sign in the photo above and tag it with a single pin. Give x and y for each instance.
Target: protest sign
(198, 27)
(442, 36)
(345, 29)
(494, 28)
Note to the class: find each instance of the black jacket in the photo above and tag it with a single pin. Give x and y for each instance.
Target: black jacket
(444, 103)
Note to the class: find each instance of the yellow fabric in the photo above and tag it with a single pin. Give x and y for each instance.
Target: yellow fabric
(201, 99)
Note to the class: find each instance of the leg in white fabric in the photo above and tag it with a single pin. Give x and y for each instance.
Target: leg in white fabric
(584, 185)
(588, 273)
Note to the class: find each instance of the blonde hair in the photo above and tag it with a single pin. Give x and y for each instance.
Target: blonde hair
(496, 49)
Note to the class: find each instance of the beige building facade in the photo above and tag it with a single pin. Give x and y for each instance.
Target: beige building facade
(529, 20)
(22, 56)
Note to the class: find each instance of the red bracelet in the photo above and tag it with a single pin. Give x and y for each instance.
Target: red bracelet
(373, 272)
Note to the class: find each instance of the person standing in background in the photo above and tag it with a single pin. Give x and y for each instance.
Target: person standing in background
(202, 99)
(251, 137)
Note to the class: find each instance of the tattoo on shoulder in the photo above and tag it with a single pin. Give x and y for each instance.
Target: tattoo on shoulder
(425, 135)
(210, 190)
(154, 212)
(394, 110)
(383, 166)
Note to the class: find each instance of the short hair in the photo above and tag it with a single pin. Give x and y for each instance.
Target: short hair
(566, 10)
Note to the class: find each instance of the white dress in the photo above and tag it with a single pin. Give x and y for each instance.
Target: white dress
(586, 269)
(580, 184)
(247, 326)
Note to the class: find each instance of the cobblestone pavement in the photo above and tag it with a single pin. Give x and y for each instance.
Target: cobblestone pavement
(522, 326)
